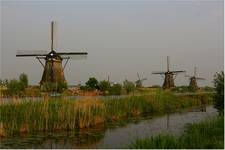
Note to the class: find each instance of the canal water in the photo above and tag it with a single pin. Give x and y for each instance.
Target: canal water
(113, 135)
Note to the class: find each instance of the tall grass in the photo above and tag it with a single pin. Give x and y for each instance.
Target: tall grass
(58, 114)
(205, 135)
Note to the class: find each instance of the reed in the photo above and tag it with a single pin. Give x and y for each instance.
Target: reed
(59, 114)
(208, 134)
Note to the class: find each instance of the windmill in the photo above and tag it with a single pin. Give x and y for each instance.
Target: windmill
(169, 76)
(139, 81)
(53, 68)
(193, 79)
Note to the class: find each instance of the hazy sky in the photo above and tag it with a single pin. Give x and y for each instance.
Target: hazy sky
(122, 38)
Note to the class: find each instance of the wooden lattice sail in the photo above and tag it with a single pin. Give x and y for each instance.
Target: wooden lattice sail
(169, 76)
(53, 68)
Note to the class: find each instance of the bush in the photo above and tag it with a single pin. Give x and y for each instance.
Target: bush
(15, 87)
(128, 86)
(104, 86)
(219, 96)
(115, 89)
(24, 80)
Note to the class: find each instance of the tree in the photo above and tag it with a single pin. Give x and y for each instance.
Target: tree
(219, 96)
(15, 87)
(128, 86)
(104, 86)
(92, 83)
(116, 89)
(24, 80)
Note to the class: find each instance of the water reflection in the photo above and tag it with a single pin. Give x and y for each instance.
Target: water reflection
(114, 135)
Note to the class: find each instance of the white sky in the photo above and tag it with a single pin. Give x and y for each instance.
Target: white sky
(122, 38)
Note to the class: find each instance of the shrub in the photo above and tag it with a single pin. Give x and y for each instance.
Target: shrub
(24, 80)
(115, 89)
(219, 96)
(128, 86)
(104, 86)
(15, 87)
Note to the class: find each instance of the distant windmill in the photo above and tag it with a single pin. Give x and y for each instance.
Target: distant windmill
(53, 69)
(139, 81)
(169, 76)
(193, 79)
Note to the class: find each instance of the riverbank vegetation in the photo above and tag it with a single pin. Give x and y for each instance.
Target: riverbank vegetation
(208, 134)
(60, 114)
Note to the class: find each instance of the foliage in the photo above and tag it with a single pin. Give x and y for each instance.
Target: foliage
(24, 80)
(219, 97)
(104, 86)
(1, 82)
(15, 87)
(128, 86)
(205, 135)
(183, 89)
(208, 89)
(115, 89)
(92, 83)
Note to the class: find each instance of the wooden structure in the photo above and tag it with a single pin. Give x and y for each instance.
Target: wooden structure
(53, 67)
(139, 81)
(169, 76)
(193, 79)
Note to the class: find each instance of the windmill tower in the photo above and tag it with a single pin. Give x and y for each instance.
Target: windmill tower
(139, 81)
(169, 76)
(193, 79)
(53, 68)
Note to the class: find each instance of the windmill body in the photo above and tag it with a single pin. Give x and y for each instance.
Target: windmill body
(193, 80)
(53, 70)
(139, 81)
(169, 76)
(53, 66)
(169, 80)
(193, 83)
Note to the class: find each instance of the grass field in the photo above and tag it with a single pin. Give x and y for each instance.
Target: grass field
(208, 134)
(58, 114)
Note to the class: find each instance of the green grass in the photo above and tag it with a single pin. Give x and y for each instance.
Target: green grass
(57, 114)
(208, 134)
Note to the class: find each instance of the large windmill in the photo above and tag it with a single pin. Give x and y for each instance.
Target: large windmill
(169, 76)
(139, 81)
(53, 68)
(193, 79)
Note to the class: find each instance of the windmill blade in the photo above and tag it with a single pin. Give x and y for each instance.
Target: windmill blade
(143, 79)
(27, 53)
(138, 76)
(74, 55)
(178, 71)
(159, 72)
(200, 78)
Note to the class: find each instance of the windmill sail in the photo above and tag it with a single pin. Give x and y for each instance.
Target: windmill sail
(24, 53)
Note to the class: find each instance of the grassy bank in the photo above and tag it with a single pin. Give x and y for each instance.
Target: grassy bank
(58, 114)
(205, 135)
